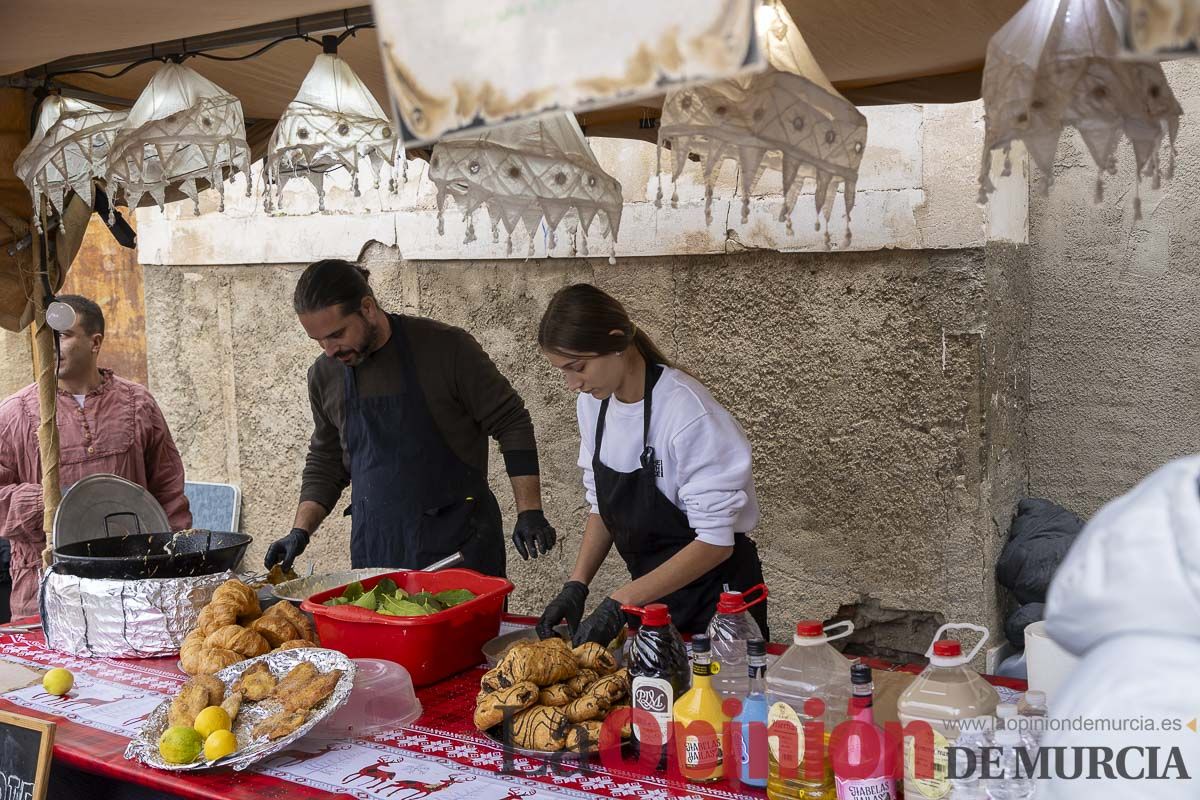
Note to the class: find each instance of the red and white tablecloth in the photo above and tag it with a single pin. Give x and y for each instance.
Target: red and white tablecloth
(442, 756)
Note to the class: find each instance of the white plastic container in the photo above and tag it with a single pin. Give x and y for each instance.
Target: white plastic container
(945, 694)
(811, 669)
(731, 627)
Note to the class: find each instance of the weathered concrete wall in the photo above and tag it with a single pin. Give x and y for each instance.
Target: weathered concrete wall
(877, 390)
(1115, 319)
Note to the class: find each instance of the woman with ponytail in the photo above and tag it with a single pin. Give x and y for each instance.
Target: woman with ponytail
(666, 470)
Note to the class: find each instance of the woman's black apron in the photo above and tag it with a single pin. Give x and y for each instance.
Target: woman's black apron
(648, 529)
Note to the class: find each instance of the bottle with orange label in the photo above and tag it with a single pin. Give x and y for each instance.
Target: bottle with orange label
(700, 719)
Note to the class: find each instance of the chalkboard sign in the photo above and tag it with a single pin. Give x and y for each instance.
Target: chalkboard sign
(26, 745)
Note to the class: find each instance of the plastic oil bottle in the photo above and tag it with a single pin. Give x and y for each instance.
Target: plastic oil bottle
(945, 694)
(808, 692)
(750, 724)
(731, 627)
(660, 673)
(700, 714)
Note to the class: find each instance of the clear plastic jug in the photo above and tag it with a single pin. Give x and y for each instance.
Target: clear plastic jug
(731, 627)
(945, 694)
(811, 669)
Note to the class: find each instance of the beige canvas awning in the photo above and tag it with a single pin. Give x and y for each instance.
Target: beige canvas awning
(874, 51)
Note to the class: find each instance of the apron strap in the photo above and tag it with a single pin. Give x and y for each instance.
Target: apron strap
(647, 458)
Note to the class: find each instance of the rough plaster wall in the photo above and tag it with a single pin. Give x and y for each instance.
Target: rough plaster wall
(1115, 320)
(865, 382)
(16, 362)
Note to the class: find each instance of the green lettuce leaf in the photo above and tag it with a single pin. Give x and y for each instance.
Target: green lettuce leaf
(454, 597)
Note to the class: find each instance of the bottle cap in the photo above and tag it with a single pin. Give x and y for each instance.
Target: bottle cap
(737, 602)
(810, 628)
(947, 648)
(701, 643)
(1006, 710)
(1007, 737)
(756, 647)
(654, 615)
(1035, 697)
(860, 674)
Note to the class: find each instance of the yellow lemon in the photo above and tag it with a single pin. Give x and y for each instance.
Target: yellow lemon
(213, 718)
(219, 743)
(58, 681)
(180, 745)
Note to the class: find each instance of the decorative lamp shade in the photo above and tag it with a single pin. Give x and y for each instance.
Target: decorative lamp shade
(69, 148)
(333, 123)
(1057, 63)
(184, 131)
(788, 118)
(529, 170)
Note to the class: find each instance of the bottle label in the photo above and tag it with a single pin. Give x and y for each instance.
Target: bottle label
(656, 697)
(702, 753)
(931, 786)
(883, 788)
(784, 733)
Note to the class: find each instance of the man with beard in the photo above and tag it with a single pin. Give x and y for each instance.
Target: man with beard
(105, 424)
(402, 410)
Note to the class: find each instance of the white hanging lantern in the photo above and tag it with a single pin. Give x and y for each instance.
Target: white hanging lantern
(527, 171)
(183, 132)
(788, 118)
(1057, 63)
(333, 123)
(67, 151)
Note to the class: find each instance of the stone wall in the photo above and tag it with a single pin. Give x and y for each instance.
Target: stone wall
(1115, 319)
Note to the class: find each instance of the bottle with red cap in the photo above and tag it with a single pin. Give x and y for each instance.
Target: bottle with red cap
(659, 670)
(947, 692)
(731, 627)
(808, 692)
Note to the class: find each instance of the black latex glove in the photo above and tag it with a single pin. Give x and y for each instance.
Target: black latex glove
(285, 550)
(533, 533)
(602, 625)
(568, 605)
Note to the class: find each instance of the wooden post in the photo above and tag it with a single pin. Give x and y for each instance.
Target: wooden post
(46, 364)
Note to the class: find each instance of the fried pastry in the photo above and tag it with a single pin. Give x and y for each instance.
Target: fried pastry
(297, 676)
(232, 705)
(312, 693)
(279, 725)
(544, 664)
(216, 615)
(539, 728)
(495, 679)
(239, 595)
(298, 618)
(593, 656)
(191, 700)
(294, 643)
(611, 688)
(557, 695)
(585, 707)
(582, 681)
(489, 709)
(216, 689)
(256, 683)
(584, 736)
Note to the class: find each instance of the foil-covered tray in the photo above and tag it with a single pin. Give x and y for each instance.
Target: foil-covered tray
(144, 746)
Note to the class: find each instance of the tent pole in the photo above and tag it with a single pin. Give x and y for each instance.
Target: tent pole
(45, 363)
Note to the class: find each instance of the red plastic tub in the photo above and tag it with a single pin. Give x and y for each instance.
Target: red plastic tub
(431, 647)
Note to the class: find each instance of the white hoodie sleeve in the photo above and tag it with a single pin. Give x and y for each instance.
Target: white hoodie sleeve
(711, 456)
(587, 439)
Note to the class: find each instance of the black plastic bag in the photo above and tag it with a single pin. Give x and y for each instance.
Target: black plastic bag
(1014, 626)
(1038, 540)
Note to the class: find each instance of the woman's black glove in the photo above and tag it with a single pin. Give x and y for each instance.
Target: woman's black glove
(284, 551)
(568, 605)
(533, 533)
(602, 625)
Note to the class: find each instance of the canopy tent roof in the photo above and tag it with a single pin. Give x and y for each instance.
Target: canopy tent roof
(874, 51)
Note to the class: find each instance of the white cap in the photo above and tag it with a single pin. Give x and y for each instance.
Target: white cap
(1006, 710)
(1035, 697)
(1007, 737)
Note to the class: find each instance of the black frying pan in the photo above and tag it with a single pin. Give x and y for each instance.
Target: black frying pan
(138, 556)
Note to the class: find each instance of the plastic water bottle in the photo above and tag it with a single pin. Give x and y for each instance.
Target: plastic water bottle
(1012, 784)
(810, 670)
(1033, 711)
(973, 736)
(731, 627)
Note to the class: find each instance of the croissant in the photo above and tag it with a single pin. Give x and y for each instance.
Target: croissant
(275, 629)
(297, 618)
(238, 639)
(594, 656)
(584, 736)
(208, 660)
(539, 728)
(582, 681)
(490, 709)
(585, 707)
(545, 666)
(494, 680)
(216, 615)
(611, 687)
(239, 595)
(294, 643)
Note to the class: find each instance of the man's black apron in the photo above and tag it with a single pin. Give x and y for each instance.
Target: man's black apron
(648, 529)
(413, 500)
